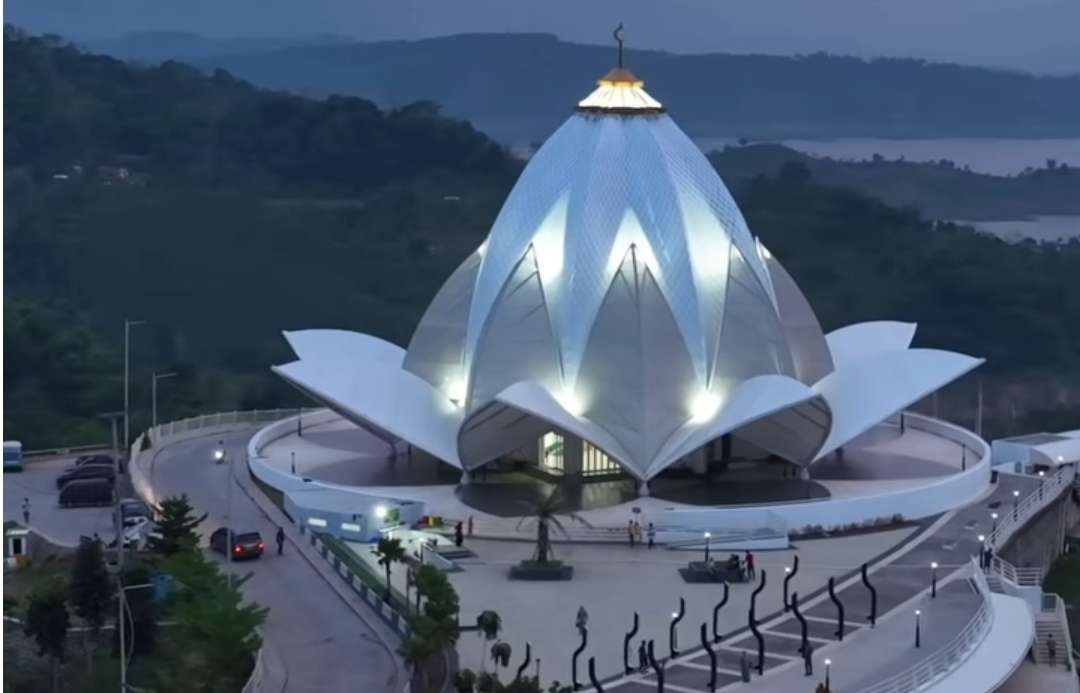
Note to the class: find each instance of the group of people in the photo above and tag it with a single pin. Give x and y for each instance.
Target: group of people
(633, 530)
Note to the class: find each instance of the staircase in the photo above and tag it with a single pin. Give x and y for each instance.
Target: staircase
(993, 580)
(1043, 630)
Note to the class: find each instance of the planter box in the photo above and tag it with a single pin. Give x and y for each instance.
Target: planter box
(530, 570)
(716, 571)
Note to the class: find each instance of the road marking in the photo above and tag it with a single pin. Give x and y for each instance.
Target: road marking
(706, 667)
(792, 636)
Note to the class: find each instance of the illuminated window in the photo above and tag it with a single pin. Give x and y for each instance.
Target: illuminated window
(551, 452)
(596, 461)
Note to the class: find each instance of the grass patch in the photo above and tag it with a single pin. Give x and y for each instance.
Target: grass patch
(1064, 580)
(368, 576)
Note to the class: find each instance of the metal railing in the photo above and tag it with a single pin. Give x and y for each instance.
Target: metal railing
(1023, 577)
(948, 657)
(1016, 516)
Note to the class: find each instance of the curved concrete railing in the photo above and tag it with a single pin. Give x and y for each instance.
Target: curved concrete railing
(952, 655)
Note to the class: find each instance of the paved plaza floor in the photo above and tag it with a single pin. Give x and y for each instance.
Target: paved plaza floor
(60, 526)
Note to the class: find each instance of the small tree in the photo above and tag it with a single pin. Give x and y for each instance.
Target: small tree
(91, 592)
(177, 523)
(501, 653)
(488, 625)
(389, 550)
(47, 623)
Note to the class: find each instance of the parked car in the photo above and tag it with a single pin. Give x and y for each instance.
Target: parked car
(86, 471)
(139, 532)
(132, 509)
(94, 459)
(94, 491)
(244, 544)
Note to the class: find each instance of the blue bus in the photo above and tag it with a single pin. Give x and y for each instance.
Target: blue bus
(13, 456)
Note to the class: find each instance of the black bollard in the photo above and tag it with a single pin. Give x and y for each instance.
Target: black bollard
(802, 620)
(671, 629)
(712, 656)
(592, 676)
(657, 668)
(794, 570)
(873, 596)
(577, 653)
(526, 663)
(754, 628)
(839, 610)
(626, 645)
(716, 613)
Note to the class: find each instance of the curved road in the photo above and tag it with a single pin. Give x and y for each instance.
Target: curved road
(311, 631)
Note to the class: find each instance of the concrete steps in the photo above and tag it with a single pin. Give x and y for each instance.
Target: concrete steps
(1043, 631)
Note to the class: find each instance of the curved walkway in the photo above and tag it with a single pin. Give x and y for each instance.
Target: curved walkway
(313, 632)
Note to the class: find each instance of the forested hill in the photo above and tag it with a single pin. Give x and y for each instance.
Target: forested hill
(65, 108)
(519, 87)
(223, 214)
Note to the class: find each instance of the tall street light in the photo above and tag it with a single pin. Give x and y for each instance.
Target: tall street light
(153, 395)
(128, 324)
(125, 652)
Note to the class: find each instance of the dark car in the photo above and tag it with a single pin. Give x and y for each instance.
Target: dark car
(132, 509)
(86, 471)
(94, 459)
(244, 544)
(86, 492)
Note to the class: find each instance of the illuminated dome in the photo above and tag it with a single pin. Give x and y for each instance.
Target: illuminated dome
(621, 299)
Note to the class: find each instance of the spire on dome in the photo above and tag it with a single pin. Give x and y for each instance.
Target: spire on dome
(620, 90)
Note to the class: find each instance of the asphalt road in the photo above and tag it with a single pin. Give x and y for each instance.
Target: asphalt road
(315, 635)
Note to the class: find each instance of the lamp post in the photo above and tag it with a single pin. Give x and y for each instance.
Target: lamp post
(828, 666)
(128, 324)
(707, 536)
(918, 614)
(993, 518)
(933, 580)
(982, 549)
(787, 577)
(153, 395)
(221, 456)
(1016, 501)
(1042, 479)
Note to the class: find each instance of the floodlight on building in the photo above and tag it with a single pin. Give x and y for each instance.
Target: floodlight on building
(571, 402)
(380, 512)
(704, 406)
(456, 391)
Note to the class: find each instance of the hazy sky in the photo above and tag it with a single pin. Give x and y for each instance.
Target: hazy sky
(1040, 35)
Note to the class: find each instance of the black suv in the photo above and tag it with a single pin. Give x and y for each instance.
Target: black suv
(86, 471)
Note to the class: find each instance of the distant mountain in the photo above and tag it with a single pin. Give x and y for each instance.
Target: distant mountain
(158, 46)
(940, 190)
(519, 87)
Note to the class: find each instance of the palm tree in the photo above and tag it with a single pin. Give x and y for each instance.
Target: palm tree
(389, 550)
(545, 513)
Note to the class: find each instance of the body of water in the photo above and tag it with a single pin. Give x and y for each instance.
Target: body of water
(1040, 228)
(1001, 157)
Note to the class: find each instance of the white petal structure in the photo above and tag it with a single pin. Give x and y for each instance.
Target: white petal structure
(621, 299)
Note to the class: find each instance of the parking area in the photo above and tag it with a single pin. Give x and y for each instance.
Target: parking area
(61, 526)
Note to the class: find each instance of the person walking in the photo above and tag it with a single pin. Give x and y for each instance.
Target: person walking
(26, 511)
(630, 532)
(280, 538)
(637, 532)
(642, 657)
(652, 535)
(808, 659)
(459, 535)
(1051, 649)
(989, 557)
(744, 667)
(751, 573)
